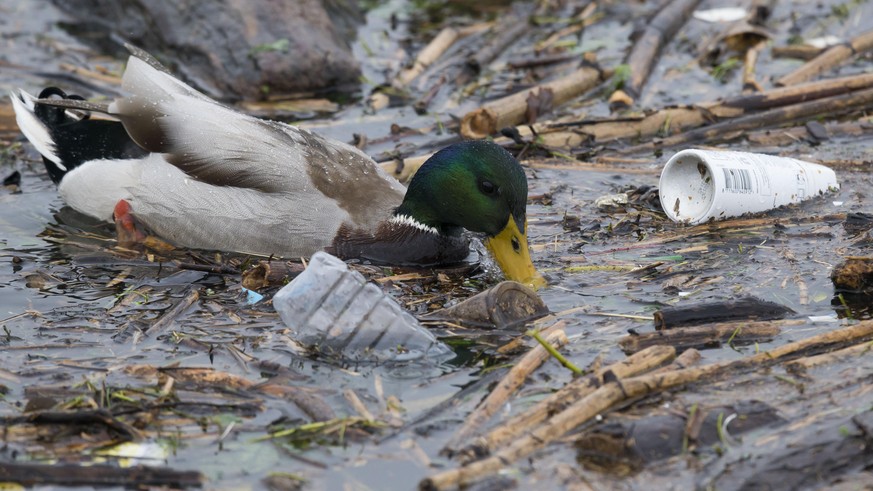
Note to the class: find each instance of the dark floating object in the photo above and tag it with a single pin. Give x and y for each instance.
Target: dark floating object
(507, 304)
(858, 222)
(28, 474)
(270, 273)
(622, 444)
(747, 308)
(855, 274)
(13, 179)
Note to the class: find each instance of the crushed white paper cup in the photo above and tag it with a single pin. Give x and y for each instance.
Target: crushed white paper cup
(697, 185)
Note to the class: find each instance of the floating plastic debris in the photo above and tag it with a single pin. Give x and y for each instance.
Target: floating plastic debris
(335, 310)
(505, 305)
(697, 185)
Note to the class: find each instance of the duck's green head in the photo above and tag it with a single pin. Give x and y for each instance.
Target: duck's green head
(478, 186)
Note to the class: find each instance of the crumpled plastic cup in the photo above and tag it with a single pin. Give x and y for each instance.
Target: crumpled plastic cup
(699, 185)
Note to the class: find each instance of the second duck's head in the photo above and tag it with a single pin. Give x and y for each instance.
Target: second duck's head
(478, 186)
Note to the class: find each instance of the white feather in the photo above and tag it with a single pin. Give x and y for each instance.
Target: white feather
(32, 127)
(95, 187)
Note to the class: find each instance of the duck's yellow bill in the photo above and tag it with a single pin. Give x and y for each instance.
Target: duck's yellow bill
(510, 249)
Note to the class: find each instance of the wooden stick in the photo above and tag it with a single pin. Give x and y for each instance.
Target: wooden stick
(674, 119)
(404, 169)
(635, 364)
(801, 51)
(802, 364)
(615, 392)
(501, 393)
(511, 110)
(830, 58)
(750, 85)
(687, 358)
(707, 336)
(647, 48)
(584, 19)
(504, 34)
(831, 106)
(429, 54)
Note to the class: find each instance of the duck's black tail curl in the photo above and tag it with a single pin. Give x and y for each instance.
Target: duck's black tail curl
(68, 137)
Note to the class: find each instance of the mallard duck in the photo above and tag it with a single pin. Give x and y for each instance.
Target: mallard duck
(201, 175)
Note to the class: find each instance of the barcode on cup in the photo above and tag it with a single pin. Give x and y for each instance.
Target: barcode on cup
(737, 180)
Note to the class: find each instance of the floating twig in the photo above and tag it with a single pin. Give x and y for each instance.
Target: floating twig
(499, 395)
(830, 58)
(617, 391)
(647, 49)
(711, 335)
(511, 110)
(635, 364)
(726, 130)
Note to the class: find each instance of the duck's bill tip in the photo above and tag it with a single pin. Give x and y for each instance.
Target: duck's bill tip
(512, 254)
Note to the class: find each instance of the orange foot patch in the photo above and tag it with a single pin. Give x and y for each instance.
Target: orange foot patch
(128, 231)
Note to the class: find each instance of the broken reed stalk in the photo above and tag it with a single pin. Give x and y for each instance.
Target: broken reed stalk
(511, 110)
(429, 54)
(404, 169)
(501, 393)
(831, 106)
(647, 48)
(173, 312)
(788, 136)
(617, 391)
(830, 58)
(638, 363)
(800, 51)
(441, 43)
(685, 359)
(504, 34)
(584, 19)
(742, 332)
(826, 358)
(673, 119)
(750, 85)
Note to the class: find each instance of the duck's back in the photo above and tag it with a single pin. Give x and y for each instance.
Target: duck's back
(220, 179)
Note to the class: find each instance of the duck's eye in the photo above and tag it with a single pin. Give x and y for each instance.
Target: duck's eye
(516, 246)
(487, 187)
